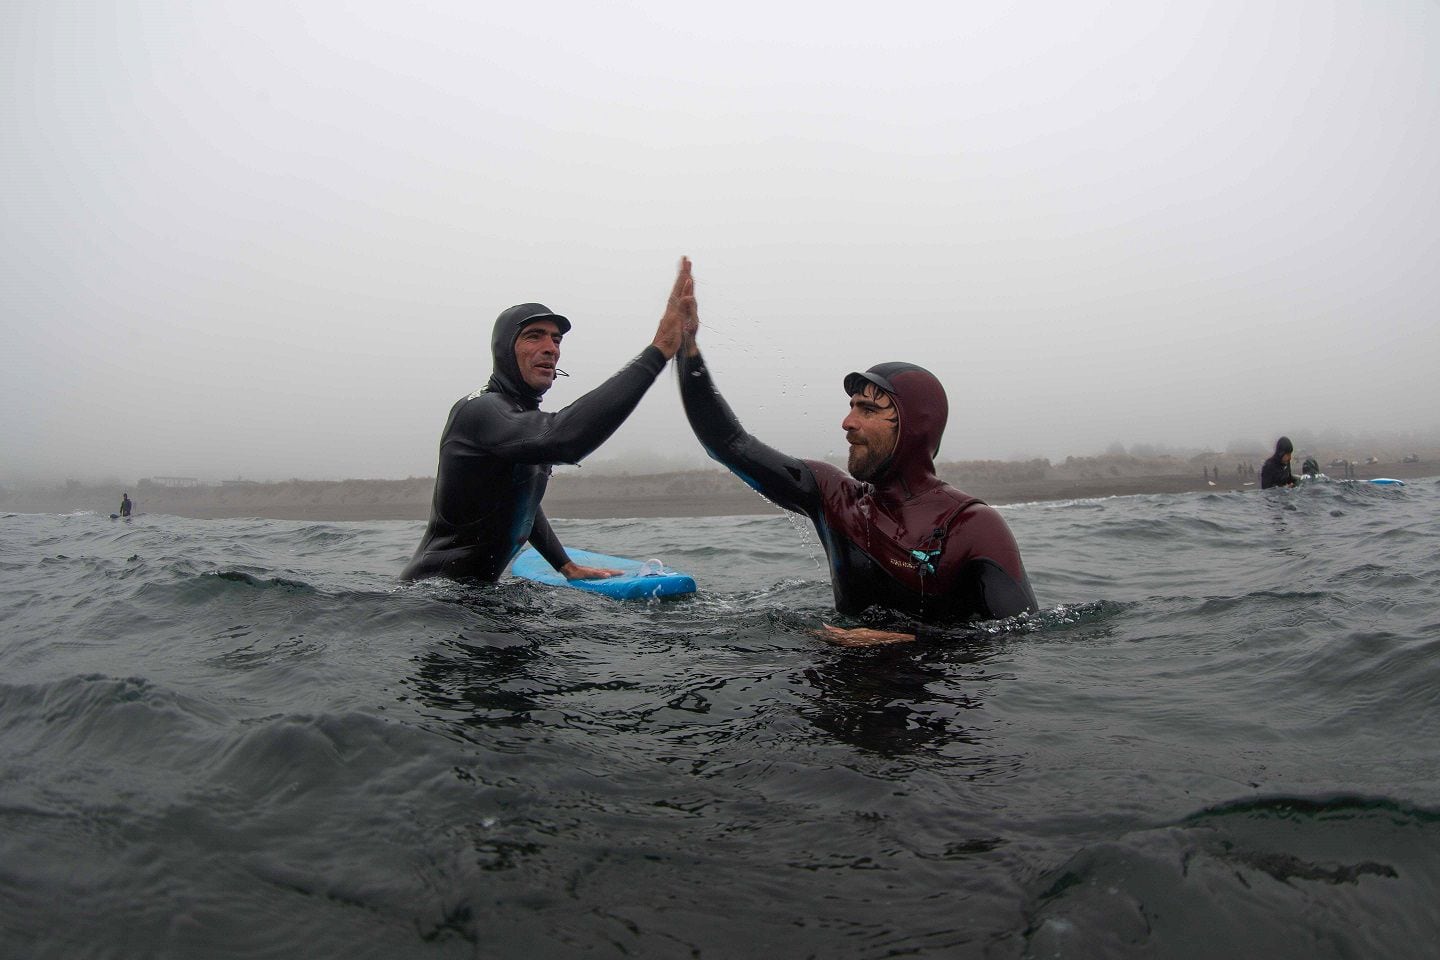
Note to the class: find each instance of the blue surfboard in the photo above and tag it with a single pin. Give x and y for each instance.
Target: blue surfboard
(1378, 481)
(641, 580)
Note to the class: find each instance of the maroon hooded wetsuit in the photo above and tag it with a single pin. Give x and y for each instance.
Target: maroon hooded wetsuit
(909, 542)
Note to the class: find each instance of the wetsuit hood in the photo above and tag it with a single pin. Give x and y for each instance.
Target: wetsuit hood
(1283, 446)
(505, 377)
(920, 399)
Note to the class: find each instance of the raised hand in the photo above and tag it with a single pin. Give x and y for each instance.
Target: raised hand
(691, 323)
(678, 309)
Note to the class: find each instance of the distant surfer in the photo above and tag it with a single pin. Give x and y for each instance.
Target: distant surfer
(125, 504)
(1275, 472)
(896, 535)
(497, 447)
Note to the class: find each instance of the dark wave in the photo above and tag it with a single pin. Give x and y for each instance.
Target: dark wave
(1269, 876)
(1221, 720)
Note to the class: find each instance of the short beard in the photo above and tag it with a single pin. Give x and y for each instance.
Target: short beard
(865, 466)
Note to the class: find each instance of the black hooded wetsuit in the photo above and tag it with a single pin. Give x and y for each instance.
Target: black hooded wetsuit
(495, 457)
(1275, 472)
(909, 542)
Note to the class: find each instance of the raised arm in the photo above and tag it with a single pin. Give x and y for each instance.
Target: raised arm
(533, 436)
(783, 479)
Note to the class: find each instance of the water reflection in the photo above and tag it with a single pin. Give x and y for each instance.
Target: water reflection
(481, 678)
(899, 700)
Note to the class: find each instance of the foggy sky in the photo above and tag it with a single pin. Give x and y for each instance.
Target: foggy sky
(253, 239)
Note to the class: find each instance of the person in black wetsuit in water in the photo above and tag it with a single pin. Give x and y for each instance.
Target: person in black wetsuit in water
(896, 535)
(1275, 472)
(498, 446)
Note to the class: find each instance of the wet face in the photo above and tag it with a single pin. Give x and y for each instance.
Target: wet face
(871, 429)
(537, 351)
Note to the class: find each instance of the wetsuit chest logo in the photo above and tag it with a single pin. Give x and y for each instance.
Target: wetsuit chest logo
(925, 560)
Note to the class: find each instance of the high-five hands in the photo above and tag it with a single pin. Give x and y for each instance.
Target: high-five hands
(680, 312)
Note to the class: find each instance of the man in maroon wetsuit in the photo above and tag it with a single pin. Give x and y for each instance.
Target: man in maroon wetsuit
(896, 535)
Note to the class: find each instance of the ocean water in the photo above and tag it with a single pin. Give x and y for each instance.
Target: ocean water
(243, 738)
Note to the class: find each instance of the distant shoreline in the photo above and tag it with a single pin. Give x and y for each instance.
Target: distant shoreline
(699, 493)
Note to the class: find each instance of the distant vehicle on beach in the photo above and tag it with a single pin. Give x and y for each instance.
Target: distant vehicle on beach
(1410, 458)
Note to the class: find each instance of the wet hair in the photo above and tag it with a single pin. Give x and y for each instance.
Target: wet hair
(877, 392)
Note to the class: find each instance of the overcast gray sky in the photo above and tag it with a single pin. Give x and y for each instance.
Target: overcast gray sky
(269, 239)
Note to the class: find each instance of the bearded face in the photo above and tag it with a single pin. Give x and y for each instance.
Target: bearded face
(871, 428)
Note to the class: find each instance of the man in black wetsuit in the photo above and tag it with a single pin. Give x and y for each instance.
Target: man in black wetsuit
(498, 446)
(895, 534)
(1275, 472)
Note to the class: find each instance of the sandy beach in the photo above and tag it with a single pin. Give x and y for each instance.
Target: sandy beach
(583, 494)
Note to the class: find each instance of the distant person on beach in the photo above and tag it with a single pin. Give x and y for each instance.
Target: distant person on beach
(1275, 472)
(497, 447)
(896, 536)
(125, 504)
